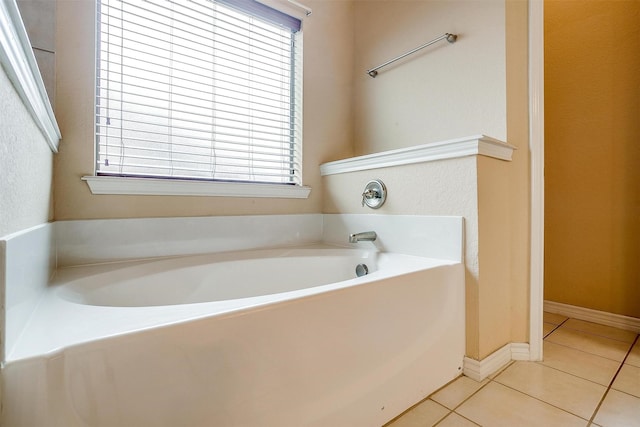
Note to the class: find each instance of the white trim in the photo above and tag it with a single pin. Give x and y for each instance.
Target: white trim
(180, 187)
(461, 147)
(520, 351)
(480, 369)
(536, 145)
(619, 321)
(19, 62)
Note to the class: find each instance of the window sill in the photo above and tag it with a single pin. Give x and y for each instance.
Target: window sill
(177, 187)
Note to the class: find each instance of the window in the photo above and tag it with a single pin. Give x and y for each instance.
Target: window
(198, 90)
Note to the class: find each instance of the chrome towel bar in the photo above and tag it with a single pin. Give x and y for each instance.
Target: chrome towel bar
(451, 38)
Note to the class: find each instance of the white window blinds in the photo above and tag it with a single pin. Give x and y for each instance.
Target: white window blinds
(199, 89)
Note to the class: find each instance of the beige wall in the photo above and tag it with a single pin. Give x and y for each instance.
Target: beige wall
(26, 165)
(518, 174)
(477, 86)
(442, 92)
(39, 18)
(592, 154)
(327, 120)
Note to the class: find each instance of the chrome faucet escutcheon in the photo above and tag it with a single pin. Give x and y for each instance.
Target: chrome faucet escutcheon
(367, 236)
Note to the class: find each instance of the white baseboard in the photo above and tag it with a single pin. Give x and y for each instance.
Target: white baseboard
(480, 369)
(520, 351)
(602, 317)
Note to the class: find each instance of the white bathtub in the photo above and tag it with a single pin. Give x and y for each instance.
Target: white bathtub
(281, 337)
(219, 277)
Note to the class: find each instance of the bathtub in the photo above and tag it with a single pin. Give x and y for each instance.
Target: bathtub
(275, 337)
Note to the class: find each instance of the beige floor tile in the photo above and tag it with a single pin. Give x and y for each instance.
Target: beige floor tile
(455, 393)
(425, 414)
(556, 319)
(547, 328)
(601, 330)
(557, 388)
(584, 365)
(499, 371)
(594, 344)
(619, 410)
(455, 420)
(634, 356)
(496, 406)
(628, 380)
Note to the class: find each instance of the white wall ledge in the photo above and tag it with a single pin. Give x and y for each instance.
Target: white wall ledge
(183, 187)
(450, 149)
(19, 62)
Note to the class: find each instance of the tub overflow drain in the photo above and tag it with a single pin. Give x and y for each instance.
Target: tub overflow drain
(362, 270)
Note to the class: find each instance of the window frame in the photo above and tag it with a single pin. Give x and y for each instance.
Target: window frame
(140, 185)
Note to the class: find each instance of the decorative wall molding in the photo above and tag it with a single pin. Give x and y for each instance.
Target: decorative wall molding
(19, 62)
(627, 323)
(184, 187)
(480, 369)
(470, 146)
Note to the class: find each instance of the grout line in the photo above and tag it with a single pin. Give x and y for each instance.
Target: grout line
(573, 375)
(587, 352)
(555, 327)
(472, 394)
(595, 412)
(411, 408)
(541, 362)
(453, 411)
(598, 335)
(488, 381)
(543, 401)
(441, 419)
(460, 415)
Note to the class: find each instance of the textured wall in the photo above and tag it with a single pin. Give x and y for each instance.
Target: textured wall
(25, 165)
(592, 154)
(442, 92)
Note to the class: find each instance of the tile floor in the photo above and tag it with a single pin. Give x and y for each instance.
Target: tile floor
(590, 376)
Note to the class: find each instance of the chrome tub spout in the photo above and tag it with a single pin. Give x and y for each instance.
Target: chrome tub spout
(367, 236)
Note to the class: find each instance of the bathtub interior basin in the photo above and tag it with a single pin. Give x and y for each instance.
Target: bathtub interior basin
(219, 277)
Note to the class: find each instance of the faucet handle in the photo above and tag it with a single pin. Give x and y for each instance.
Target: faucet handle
(369, 194)
(374, 194)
